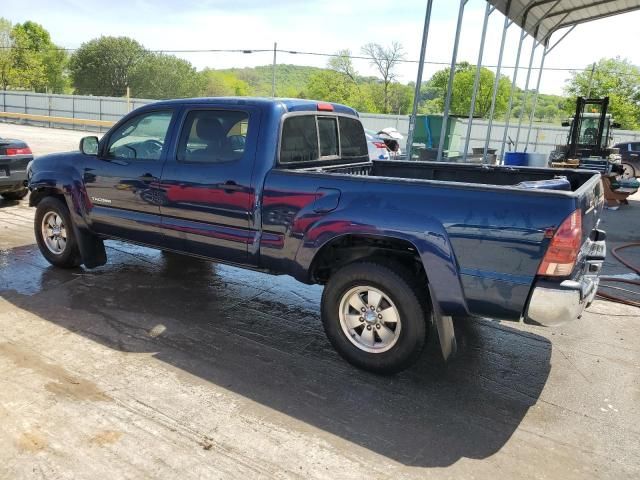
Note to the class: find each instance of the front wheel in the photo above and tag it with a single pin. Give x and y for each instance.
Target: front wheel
(373, 316)
(55, 235)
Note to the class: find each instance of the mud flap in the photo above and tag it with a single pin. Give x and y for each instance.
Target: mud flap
(91, 248)
(444, 325)
(447, 336)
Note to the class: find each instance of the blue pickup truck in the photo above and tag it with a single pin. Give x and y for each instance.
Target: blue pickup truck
(287, 187)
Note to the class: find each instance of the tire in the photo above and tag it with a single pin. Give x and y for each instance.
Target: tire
(52, 217)
(373, 349)
(18, 195)
(628, 171)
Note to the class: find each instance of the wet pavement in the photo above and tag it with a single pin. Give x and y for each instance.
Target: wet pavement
(163, 366)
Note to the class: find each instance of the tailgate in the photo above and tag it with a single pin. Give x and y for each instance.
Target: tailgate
(591, 202)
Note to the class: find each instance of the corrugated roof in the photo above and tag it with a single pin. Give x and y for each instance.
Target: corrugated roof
(540, 18)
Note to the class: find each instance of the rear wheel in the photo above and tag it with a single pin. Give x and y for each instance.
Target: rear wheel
(54, 233)
(628, 171)
(18, 195)
(373, 317)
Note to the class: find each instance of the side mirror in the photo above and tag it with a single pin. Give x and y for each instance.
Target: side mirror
(566, 124)
(616, 125)
(89, 145)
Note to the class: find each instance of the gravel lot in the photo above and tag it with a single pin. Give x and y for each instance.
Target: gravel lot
(160, 366)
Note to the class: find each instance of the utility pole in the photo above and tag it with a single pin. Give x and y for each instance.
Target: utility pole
(273, 70)
(593, 70)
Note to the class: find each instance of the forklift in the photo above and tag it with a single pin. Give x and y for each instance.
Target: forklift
(589, 146)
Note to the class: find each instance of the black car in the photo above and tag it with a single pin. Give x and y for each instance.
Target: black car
(630, 152)
(15, 155)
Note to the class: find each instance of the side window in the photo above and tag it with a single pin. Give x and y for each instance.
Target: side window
(299, 139)
(353, 142)
(213, 136)
(328, 130)
(634, 147)
(142, 138)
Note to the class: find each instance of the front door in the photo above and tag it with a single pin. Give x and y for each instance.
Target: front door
(122, 181)
(207, 183)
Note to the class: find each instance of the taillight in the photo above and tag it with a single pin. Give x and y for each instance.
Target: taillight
(380, 145)
(18, 151)
(325, 107)
(563, 250)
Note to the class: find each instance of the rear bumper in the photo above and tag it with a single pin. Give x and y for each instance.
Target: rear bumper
(17, 180)
(552, 303)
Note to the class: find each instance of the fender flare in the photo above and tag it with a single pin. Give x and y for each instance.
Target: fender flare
(436, 254)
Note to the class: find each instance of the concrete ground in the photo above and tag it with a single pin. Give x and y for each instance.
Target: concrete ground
(157, 366)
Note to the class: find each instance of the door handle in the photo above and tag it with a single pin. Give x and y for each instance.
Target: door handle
(148, 178)
(230, 186)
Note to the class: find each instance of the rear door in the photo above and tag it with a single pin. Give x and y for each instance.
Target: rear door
(122, 180)
(208, 196)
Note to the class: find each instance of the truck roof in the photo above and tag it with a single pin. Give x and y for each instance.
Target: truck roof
(287, 104)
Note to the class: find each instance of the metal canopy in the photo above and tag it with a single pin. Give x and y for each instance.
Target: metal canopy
(541, 18)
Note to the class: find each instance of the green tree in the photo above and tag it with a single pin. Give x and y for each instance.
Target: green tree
(342, 63)
(549, 112)
(435, 90)
(55, 62)
(158, 75)
(30, 43)
(385, 60)
(616, 78)
(331, 86)
(6, 53)
(103, 66)
(217, 83)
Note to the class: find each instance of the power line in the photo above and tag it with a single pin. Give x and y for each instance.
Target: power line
(335, 55)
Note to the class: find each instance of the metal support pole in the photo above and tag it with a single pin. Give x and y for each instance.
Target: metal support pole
(525, 96)
(507, 24)
(535, 97)
(452, 72)
(416, 95)
(547, 51)
(507, 119)
(593, 70)
(476, 81)
(273, 70)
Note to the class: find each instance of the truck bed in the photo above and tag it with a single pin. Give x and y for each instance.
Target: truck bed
(493, 230)
(485, 175)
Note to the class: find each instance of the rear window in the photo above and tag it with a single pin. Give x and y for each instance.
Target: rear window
(328, 128)
(318, 138)
(299, 140)
(352, 138)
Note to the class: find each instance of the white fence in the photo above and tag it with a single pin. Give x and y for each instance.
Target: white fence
(543, 136)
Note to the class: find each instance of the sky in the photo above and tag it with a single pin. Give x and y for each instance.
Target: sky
(324, 26)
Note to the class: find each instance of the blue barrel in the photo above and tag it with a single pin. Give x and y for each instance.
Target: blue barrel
(516, 159)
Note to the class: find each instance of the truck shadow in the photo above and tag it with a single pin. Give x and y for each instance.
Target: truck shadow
(261, 337)
(8, 203)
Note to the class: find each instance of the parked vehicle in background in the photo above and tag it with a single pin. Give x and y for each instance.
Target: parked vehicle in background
(630, 153)
(392, 139)
(15, 155)
(377, 148)
(400, 246)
